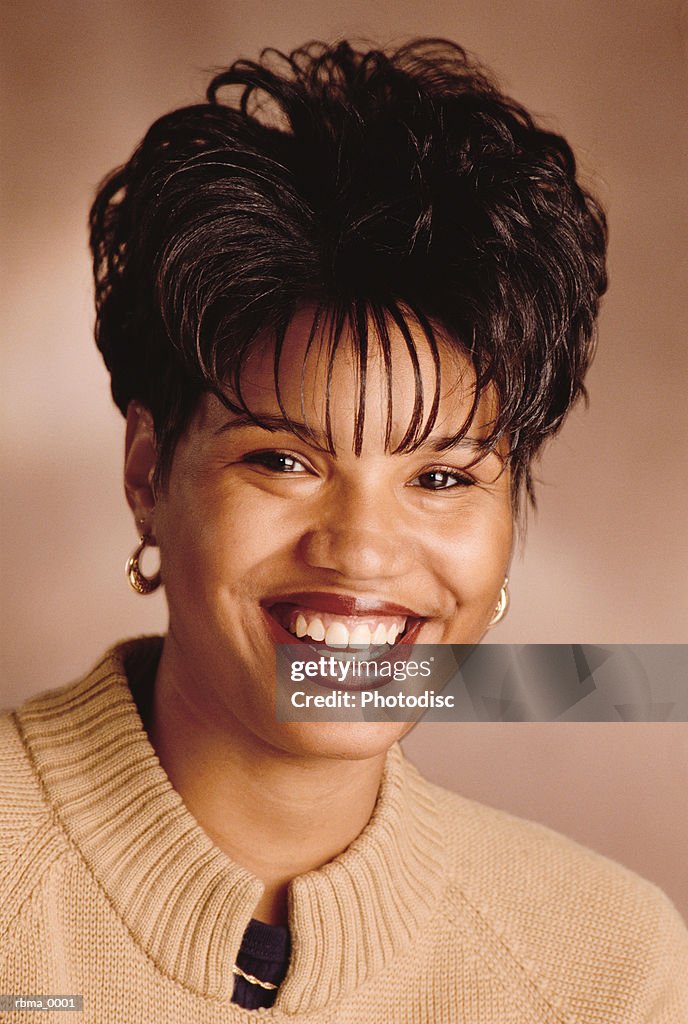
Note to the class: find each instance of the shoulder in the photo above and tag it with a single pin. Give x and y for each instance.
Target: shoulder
(46, 742)
(498, 851)
(31, 841)
(22, 806)
(40, 755)
(573, 920)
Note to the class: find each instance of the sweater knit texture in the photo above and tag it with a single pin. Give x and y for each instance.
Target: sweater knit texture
(442, 910)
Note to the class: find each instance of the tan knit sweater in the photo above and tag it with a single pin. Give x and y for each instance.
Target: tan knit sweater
(442, 909)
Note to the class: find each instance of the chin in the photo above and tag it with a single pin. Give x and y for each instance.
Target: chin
(343, 741)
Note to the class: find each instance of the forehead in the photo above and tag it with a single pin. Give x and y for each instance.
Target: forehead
(333, 380)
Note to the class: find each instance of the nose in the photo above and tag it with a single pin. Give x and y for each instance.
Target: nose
(358, 537)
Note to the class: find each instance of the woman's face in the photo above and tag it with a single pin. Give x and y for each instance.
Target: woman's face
(258, 528)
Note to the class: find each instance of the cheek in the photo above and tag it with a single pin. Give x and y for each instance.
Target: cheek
(472, 555)
(213, 539)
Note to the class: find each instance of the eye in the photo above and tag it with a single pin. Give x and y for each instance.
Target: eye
(441, 478)
(277, 462)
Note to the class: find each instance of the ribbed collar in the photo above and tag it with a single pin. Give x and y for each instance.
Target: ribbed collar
(182, 899)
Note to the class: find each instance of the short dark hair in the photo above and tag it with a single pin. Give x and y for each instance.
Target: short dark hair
(398, 187)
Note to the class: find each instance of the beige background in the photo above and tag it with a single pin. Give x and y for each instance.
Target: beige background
(606, 558)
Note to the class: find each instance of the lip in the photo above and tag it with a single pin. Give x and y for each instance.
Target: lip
(342, 604)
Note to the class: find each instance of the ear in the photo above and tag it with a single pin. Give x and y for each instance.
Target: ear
(140, 458)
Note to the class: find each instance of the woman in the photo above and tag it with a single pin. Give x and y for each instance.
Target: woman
(341, 317)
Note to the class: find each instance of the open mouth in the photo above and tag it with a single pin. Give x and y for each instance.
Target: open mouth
(325, 629)
(333, 631)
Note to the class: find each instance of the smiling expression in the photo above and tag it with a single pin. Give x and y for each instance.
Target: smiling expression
(264, 537)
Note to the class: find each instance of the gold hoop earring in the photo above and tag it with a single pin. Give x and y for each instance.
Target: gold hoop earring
(137, 581)
(502, 604)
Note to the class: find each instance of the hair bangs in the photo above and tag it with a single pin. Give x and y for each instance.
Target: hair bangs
(360, 325)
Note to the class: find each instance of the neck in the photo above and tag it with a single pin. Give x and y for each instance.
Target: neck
(273, 812)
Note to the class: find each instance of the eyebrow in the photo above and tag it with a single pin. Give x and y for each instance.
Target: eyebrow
(274, 424)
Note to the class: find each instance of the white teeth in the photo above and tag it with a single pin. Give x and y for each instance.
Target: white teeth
(337, 635)
(380, 635)
(360, 635)
(316, 630)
